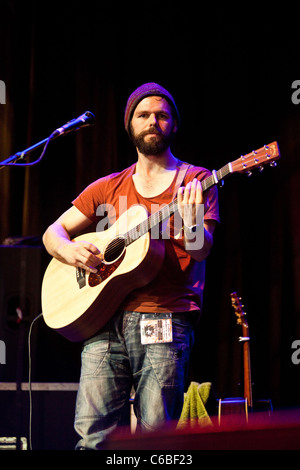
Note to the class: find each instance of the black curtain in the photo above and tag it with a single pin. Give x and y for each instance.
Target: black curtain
(59, 59)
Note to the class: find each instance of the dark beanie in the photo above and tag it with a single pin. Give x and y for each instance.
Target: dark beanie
(148, 89)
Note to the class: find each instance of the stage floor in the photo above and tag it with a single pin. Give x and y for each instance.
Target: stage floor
(278, 431)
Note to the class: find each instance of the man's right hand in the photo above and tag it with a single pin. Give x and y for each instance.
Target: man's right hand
(57, 240)
(80, 254)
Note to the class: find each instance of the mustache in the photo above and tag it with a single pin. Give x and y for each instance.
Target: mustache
(150, 131)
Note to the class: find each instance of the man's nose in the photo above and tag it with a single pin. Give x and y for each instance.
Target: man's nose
(152, 119)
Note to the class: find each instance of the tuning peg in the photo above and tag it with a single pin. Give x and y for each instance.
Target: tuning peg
(273, 164)
(249, 173)
(261, 168)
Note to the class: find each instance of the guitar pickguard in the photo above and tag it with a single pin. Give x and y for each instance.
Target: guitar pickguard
(104, 271)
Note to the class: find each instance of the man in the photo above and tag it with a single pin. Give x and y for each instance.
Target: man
(129, 350)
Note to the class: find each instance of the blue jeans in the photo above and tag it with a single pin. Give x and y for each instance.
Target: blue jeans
(114, 361)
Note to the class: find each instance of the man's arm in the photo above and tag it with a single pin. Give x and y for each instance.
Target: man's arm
(57, 241)
(199, 247)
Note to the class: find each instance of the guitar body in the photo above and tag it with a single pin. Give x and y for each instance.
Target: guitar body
(77, 312)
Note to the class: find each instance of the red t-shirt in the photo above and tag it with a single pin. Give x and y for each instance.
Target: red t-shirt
(179, 285)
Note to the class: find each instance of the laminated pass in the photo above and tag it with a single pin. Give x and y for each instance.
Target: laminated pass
(156, 328)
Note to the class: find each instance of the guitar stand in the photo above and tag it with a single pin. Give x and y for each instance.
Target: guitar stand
(233, 411)
(237, 411)
(242, 339)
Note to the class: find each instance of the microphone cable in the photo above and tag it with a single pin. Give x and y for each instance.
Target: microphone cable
(29, 380)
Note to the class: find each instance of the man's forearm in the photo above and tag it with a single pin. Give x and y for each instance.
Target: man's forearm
(198, 245)
(53, 239)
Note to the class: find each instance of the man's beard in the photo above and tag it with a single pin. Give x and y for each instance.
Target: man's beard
(154, 146)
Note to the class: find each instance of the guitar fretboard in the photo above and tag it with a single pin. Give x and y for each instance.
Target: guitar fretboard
(169, 209)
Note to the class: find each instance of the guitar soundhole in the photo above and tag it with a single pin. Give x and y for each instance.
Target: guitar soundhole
(114, 250)
(113, 256)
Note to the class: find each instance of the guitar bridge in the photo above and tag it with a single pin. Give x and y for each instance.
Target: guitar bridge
(80, 277)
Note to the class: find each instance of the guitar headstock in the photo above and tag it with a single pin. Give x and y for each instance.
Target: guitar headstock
(238, 308)
(257, 159)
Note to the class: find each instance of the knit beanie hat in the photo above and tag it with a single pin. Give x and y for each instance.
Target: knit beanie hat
(148, 89)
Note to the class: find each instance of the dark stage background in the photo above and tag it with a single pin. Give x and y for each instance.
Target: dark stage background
(231, 77)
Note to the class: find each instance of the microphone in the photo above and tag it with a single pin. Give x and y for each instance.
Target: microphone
(86, 119)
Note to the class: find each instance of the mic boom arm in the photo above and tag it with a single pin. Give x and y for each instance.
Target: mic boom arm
(86, 119)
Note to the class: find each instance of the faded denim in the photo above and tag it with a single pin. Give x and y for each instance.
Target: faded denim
(114, 361)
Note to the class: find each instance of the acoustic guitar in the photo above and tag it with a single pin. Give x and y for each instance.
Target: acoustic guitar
(235, 408)
(78, 304)
(245, 340)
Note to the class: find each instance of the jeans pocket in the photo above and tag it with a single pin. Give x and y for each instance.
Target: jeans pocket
(170, 360)
(93, 355)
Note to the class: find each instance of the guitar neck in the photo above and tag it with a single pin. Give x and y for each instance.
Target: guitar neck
(245, 163)
(247, 366)
(169, 209)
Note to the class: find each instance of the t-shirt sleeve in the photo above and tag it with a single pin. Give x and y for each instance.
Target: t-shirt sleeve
(90, 199)
(213, 208)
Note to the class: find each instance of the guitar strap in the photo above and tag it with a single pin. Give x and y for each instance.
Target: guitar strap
(179, 180)
(180, 177)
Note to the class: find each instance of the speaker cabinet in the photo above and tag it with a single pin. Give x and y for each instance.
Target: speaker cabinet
(20, 284)
(51, 418)
(53, 358)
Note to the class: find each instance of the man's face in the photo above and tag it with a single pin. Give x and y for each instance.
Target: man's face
(152, 125)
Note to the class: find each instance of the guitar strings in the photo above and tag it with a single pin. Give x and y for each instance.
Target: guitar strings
(117, 245)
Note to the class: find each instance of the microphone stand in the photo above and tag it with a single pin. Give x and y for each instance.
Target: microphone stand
(21, 155)
(85, 119)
